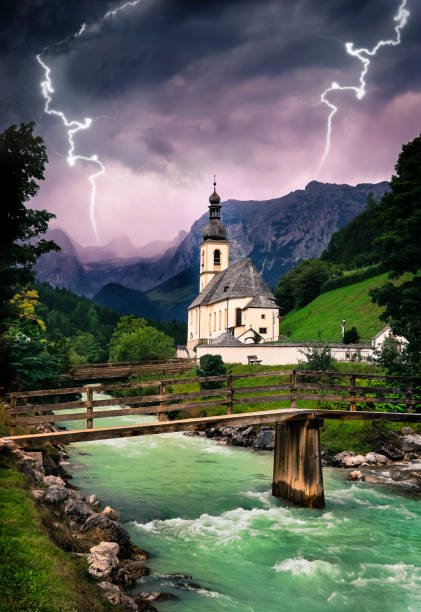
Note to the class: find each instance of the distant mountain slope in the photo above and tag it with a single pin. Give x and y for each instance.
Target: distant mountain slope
(275, 233)
(166, 302)
(279, 233)
(322, 318)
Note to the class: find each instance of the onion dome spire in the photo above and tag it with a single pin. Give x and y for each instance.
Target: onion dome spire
(214, 230)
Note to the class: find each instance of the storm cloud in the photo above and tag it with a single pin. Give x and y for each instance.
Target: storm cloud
(181, 89)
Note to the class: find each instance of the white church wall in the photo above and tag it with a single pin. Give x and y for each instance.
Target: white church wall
(279, 354)
(263, 318)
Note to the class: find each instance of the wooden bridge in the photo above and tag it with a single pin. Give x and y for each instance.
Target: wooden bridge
(297, 473)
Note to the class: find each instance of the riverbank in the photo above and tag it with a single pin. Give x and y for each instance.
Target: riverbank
(61, 551)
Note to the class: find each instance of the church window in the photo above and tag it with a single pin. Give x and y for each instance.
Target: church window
(210, 322)
(226, 317)
(220, 319)
(203, 258)
(196, 321)
(262, 330)
(214, 321)
(238, 317)
(263, 316)
(217, 257)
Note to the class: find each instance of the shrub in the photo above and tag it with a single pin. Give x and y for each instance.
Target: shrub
(351, 336)
(211, 365)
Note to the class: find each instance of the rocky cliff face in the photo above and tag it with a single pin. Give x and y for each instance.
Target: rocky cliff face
(279, 233)
(275, 233)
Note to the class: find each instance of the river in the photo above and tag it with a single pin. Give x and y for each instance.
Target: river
(207, 510)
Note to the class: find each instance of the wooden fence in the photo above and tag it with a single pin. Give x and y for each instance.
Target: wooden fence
(100, 371)
(293, 386)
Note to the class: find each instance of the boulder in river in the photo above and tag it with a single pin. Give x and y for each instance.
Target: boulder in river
(77, 510)
(54, 480)
(376, 459)
(347, 459)
(356, 475)
(128, 571)
(102, 559)
(392, 451)
(113, 594)
(56, 494)
(107, 529)
(111, 513)
(412, 442)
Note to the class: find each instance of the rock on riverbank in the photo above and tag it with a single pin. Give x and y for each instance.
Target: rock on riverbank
(77, 525)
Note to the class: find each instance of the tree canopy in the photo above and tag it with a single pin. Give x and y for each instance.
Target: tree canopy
(22, 163)
(134, 340)
(400, 252)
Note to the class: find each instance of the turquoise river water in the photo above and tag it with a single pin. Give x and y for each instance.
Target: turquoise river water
(207, 510)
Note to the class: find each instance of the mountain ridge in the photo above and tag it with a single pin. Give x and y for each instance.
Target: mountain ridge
(276, 233)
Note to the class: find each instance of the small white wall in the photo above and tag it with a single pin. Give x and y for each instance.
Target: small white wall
(277, 354)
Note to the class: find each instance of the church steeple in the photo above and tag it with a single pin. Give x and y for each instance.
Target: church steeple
(214, 250)
(214, 230)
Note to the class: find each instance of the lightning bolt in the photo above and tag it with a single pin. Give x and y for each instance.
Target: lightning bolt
(74, 126)
(363, 55)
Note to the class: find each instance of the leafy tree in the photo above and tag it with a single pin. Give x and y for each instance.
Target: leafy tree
(354, 246)
(134, 340)
(211, 365)
(88, 349)
(22, 163)
(302, 284)
(400, 251)
(351, 336)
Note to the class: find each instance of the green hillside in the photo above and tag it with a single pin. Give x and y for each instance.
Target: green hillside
(322, 318)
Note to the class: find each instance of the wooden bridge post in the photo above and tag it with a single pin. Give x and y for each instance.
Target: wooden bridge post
(89, 408)
(297, 466)
(230, 395)
(409, 397)
(13, 402)
(352, 384)
(162, 389)
(293, 389)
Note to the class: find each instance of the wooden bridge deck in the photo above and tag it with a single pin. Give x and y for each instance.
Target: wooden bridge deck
(202, 423)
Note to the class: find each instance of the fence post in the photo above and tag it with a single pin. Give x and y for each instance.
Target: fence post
(89, 408)
(230, 395)
(294, 389)
(352, 384)
(162, 389)
(13, 402)
(409, 396)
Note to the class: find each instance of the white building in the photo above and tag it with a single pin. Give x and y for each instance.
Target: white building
(232, 299)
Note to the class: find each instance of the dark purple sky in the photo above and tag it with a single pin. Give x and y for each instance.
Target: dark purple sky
(183, 89)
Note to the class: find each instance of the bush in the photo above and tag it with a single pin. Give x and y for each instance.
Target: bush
(318, 358)
(211, 365)
(351, 336)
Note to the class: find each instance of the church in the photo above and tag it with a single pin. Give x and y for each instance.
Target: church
(234, 304)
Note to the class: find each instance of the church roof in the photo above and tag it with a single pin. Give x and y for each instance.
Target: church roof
(241, 279)
(226, 339)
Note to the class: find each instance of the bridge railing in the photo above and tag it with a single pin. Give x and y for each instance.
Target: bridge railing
(277, 389)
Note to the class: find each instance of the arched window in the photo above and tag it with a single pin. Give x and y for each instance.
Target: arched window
(217, 257)
(203, 258)
(238, 317)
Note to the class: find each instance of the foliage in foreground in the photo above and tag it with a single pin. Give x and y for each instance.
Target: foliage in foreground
(22, 163)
